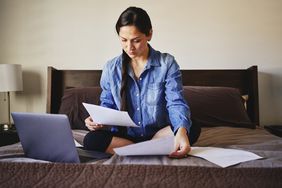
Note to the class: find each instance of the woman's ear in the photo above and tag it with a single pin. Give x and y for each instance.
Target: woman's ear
(150, 35)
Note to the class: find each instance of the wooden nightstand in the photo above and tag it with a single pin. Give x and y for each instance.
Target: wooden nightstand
(8, 137)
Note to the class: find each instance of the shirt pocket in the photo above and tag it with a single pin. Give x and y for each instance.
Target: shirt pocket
(155, 93)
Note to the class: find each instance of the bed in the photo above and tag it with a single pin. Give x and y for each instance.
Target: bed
(224, 101)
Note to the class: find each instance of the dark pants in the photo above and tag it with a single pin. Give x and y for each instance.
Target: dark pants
(100, 140)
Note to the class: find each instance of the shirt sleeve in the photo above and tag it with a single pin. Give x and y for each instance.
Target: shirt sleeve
(178, 109)
(106, 96)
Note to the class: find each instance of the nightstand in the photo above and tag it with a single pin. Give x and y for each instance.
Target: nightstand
(274, 129)
(8, 137)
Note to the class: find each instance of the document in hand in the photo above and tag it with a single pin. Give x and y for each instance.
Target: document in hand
(164, 146)
(107, 116)
(161, 146)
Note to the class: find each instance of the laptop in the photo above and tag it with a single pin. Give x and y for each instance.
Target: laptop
(49, 137)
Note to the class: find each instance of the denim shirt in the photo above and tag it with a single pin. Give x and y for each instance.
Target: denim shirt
(154, 101)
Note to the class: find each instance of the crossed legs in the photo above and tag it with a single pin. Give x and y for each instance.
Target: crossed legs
(105, 141)
(119, 142)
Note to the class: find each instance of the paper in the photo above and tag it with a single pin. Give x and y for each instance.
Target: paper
(78, 145)
(164, 146)
(107, 116)
(223, 157)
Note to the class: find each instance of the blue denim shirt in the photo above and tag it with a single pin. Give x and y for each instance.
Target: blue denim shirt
(154, 101)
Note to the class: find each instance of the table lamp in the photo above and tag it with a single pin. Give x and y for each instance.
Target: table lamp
(10, 80)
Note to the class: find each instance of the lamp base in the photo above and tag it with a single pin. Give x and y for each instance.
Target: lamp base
(7, 127)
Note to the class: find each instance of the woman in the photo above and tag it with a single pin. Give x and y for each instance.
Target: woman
(147, 84)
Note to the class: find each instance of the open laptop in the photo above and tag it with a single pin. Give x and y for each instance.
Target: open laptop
(49, 137)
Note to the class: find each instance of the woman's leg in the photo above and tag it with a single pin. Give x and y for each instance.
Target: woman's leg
(193, 136)
(166, 131)
(195, 132)
(117, 142)
(104, 141)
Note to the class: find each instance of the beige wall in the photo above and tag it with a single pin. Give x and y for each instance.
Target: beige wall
(79, 34)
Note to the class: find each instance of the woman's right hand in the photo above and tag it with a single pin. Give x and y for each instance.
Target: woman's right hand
(91, 125)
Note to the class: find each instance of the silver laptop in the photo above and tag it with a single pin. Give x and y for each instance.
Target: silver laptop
(49, 137)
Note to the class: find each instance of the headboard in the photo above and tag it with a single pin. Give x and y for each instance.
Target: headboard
(246, 80)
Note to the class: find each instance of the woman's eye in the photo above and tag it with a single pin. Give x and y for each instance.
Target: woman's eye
(136, 41)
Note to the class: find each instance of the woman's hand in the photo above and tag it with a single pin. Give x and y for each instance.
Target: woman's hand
(181, 144)
(91, 125)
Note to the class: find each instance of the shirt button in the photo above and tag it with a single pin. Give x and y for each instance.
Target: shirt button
(137, 94)
(140, 79)
(139, 122)
(141, 135)
(137, 108)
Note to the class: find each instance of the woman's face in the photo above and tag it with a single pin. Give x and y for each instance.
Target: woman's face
(133, 42)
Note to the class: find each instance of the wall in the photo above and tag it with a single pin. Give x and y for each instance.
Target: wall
(73, 34)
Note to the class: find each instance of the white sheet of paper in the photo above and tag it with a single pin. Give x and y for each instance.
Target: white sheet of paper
(107, 116)
(223, 157)
(164, 146)
(77, 144)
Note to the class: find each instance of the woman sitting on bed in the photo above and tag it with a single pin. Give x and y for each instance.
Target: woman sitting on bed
(147, 84)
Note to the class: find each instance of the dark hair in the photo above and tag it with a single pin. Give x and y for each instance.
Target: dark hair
(137, 17)
(132, 16)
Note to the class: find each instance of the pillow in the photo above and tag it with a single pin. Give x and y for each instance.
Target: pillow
(71, 104)
(217, 106)
(210, 106)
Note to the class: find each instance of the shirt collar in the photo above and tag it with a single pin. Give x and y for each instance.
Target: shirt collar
(152, 60)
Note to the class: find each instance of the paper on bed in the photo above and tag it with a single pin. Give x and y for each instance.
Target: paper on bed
(164, 146)
(223, 157)
(107, 116)
(78, 145)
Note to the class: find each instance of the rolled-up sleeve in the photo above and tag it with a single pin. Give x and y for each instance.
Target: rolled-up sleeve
(178, 109)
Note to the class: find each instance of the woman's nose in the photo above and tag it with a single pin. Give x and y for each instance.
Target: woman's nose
(130, 45)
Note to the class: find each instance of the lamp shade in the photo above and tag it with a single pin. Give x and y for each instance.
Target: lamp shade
(11, 77)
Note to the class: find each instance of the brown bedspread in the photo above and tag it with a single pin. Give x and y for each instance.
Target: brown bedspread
(154, 171)
(91, 175)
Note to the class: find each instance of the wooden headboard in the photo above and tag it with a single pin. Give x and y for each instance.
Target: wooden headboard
(246, 80)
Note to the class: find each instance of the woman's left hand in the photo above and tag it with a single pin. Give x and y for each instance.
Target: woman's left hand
(181, 144)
